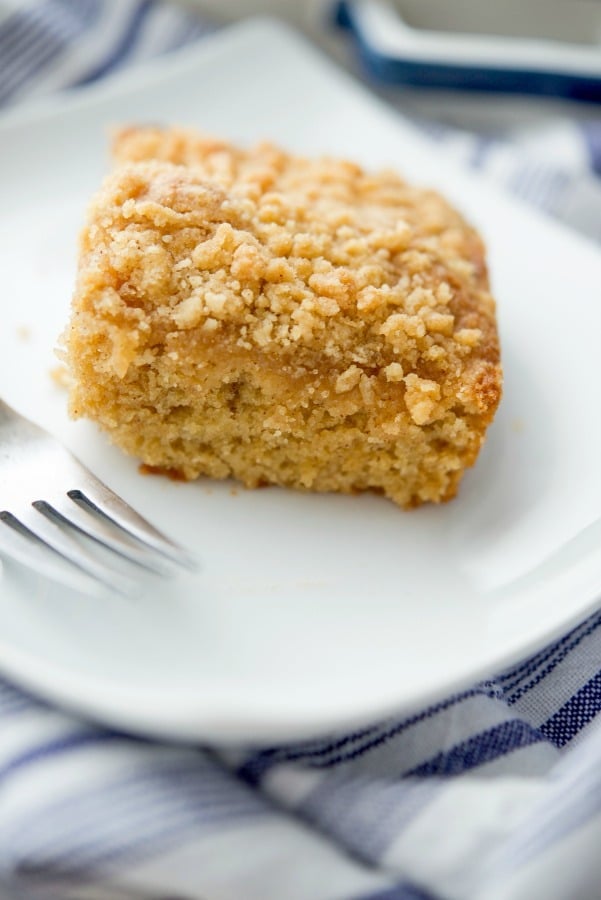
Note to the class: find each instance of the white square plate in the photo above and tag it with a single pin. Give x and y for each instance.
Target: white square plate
(311, 612)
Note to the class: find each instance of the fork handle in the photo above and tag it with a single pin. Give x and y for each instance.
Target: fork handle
(7, 413)
(11, 421)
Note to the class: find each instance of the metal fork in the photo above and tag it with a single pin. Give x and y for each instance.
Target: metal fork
(57, 518)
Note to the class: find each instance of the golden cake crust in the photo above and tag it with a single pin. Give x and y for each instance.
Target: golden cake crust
(282, 320)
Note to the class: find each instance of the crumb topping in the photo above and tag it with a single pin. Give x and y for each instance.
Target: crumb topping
(313, 262)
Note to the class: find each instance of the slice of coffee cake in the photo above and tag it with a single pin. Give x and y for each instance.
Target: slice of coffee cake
(282, 320)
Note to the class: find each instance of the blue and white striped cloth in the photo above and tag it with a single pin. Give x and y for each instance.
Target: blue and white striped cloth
(492, 794)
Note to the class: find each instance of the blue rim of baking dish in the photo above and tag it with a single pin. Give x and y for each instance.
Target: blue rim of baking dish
(466, 75)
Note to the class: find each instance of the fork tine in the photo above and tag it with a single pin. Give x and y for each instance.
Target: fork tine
(82, 510)
(31, 522)
(103, 500)
(30, 552)
(98, 529)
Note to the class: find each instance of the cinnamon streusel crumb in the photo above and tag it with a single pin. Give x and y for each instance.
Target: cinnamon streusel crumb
(294, 321)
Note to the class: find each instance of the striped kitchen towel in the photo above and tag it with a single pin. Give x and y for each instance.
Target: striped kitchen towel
(493, 793)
